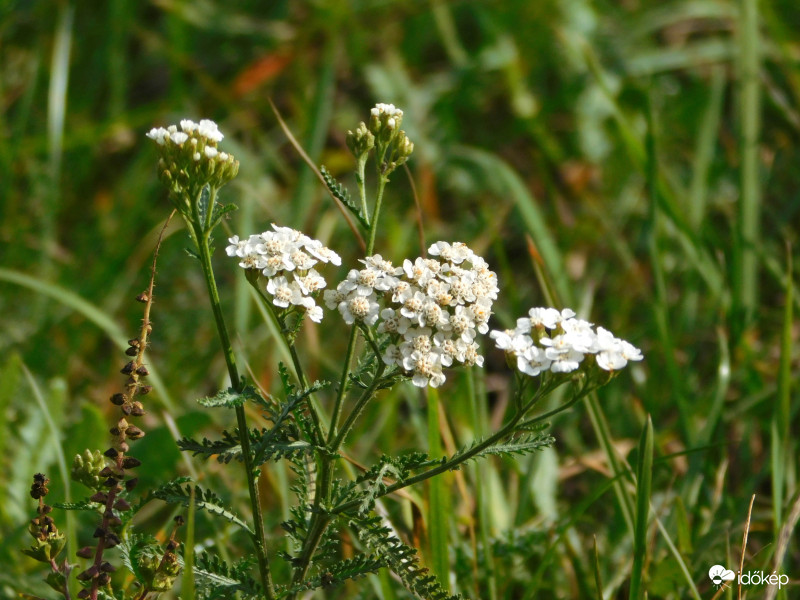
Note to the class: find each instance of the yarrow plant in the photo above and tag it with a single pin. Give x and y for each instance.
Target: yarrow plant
(414, 321)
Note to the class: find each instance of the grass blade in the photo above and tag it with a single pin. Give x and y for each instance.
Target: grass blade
(644, 481)
(438, 505)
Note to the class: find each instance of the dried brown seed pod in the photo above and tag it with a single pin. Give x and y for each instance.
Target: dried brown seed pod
(143, 297)
(128, 368)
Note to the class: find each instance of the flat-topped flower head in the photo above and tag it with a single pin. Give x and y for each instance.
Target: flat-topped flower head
(556, 341)
(190, 159)
(286, 257)
(431, 310)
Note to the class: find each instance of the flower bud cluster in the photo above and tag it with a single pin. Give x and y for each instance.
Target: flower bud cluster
(553, 340)
(190, 159)
(286, 257)
(431, 309)
(384, 134)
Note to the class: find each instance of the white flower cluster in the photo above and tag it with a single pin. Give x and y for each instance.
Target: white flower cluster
(388, 114)
(437, 308)
(287, 258)
(549, 339)
(206, 129)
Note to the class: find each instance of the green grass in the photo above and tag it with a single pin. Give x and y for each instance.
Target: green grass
(635, 161)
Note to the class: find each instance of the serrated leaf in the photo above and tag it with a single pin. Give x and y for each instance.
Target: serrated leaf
(401, 559)
(230, 398)
(81, 505)
(341, 193)
(207, 500)
(525, 444)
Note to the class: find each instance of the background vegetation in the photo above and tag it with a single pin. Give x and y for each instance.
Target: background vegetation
(636, 161)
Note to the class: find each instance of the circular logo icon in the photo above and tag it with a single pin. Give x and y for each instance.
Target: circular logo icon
(718, 574)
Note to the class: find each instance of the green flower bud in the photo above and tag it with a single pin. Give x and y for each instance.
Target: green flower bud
(361, 141)
(86, 469)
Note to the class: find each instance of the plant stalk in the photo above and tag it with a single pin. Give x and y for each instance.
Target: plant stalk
(260, 543)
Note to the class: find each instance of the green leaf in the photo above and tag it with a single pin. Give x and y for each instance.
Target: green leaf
(401, 559)
(341, 193)
(174, 493)
(524, 444)
(230, 398)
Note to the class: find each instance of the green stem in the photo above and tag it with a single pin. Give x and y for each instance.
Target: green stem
(319, 518)
(357, 409)
(202, 237)
(376, 214)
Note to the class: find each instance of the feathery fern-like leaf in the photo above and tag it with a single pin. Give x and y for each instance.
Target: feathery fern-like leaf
(341, 193)
(400, 558)
(174, 493)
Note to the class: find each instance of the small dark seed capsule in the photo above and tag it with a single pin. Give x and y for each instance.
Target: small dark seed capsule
(84, 593)
(103, 579)
(134, 432)
(114, 431)
(112, 540)
(132, 351)
(129, 462)
(142, 370)
(86, 552)
(88, 574)
(171, 545)
(179, 520)
(100, 497)
(126, 409)
(107, 567)
(40, 479)
(143, 297)
(128, 368)
(99, 532)
(118, 399)
(114, 521)
(111, 453)
(137, 410)
(122, 504)
(131, 483)
(145, 389)
(110, 482)
(134, 343)
(106, 472)
(44, 509)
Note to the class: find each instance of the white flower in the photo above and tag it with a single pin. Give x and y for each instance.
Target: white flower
(285, 293)
(178, 137)
(544, 317)
(159, 134)
(315, 313)
(310, 282)
(210, 130)
(359, 308)
(210, 151)
(533, 361)
(568, 343)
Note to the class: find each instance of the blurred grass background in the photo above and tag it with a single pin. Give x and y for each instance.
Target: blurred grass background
(637, 161)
